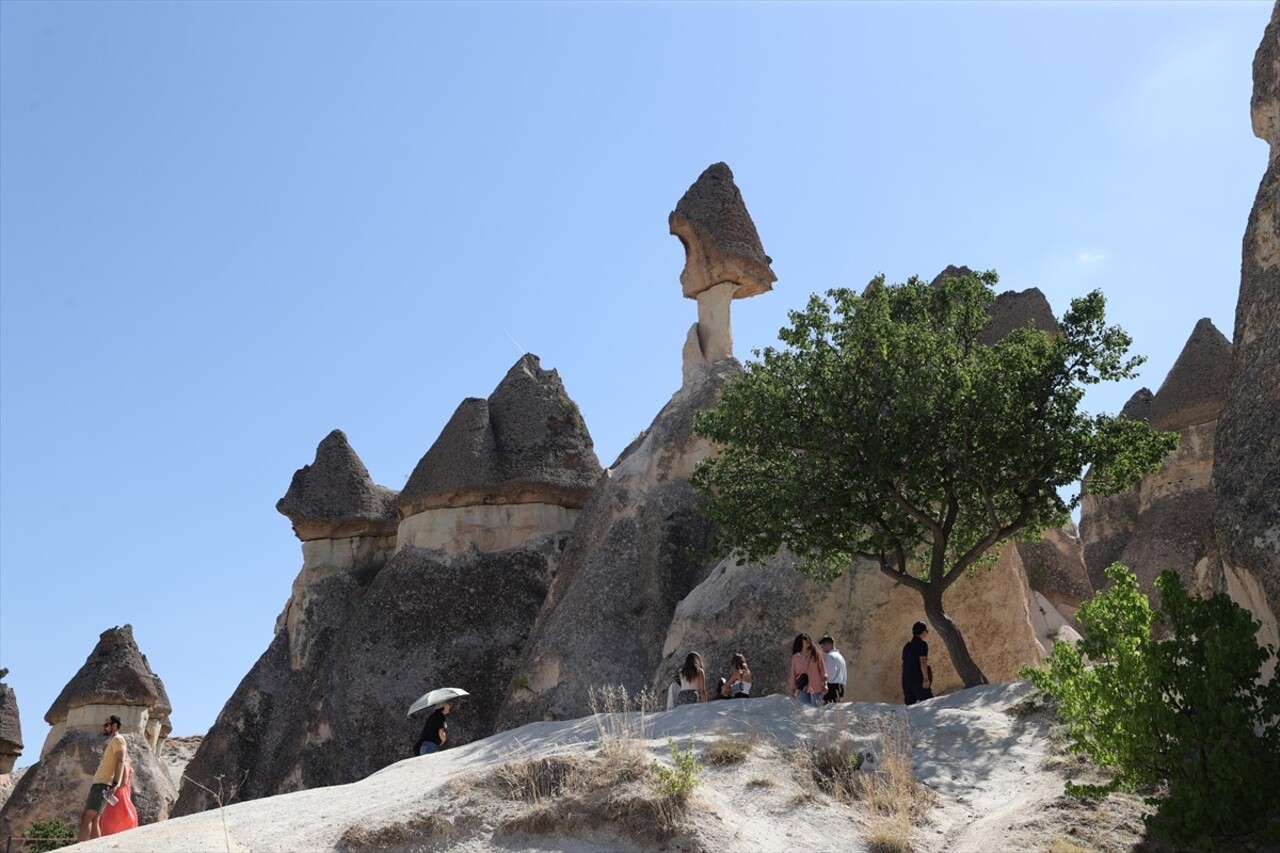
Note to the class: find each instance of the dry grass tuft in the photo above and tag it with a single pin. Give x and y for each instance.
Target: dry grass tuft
(537, 779)
(621, 717)
(890, 836)
(728, 750)
(1057, 845)
(424, 831)
(762, 782)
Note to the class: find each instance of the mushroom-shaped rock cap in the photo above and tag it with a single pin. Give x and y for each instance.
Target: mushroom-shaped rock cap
(720, 240)
(1265, 104)
(527, 443)
(335, 496)
(1196, 386)
(10, 723)
(116, 673)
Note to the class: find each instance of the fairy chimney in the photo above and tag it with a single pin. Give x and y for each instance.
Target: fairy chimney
(10, 726)
(504, 469)
(723, 261)
(347, 524)
(115, 679)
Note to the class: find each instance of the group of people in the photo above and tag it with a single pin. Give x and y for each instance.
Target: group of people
(818, 674)
(690, 683)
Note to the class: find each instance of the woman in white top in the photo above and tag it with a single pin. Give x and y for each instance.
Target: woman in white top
(693, 683)
(738, 684)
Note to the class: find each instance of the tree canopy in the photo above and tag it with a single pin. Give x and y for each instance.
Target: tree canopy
(884, 428)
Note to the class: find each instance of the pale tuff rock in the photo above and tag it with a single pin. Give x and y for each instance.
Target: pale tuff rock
(1107, 522)
(723, 261)
(115, 679)
(10, 727)
(1056, 569)
(1166, 521)
(1246, 471)
(335, 497)
(347, 524)
(526, 444)
(639, 546)
(758, 610)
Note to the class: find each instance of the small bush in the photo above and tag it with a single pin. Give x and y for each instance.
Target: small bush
(728, 750)
(47, 829)
(679, 781)
(1189, 712)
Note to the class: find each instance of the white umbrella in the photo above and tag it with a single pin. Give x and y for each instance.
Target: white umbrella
(436, 697)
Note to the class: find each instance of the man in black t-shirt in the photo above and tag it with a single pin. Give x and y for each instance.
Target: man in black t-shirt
(917, 678)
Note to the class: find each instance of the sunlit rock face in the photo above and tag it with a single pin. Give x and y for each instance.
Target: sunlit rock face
(437, 585)
(115, 680)
(1166, 521)
(10, 727)
(1246, 471)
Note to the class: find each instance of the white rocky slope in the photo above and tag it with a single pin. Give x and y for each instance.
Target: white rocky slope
(992, 779)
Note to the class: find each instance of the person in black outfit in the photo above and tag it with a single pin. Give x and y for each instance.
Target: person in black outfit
(436, 732)
(917, 677)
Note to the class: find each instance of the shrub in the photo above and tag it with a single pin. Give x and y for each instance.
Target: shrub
(1189, 712)
(47, 829)
(679, 781)
(728, 750)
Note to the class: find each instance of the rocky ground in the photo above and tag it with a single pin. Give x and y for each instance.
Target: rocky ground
(978, 770)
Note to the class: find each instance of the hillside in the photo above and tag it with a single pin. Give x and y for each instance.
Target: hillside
(988, 772)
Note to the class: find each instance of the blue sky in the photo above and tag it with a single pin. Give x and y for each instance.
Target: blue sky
(226, 229)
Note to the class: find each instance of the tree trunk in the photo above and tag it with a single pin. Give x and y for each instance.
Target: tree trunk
(940, 624)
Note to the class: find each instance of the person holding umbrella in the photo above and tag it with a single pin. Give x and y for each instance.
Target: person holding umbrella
(435, 734)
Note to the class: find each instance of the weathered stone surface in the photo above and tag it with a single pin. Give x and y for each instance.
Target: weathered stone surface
(10, 726)
(56, 786)
(1016, 310)
(115, 679)
(720, 240)
(633, 555)
(527, 443)
(421, 622)
(1166, 521)
(1246, 472)
(334, 496)
(1055, 569)
(758, 610)
(1107, 522)
(1193, 391)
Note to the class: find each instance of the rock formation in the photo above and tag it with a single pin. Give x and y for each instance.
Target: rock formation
(445, 599)
(518, 464)
(638, 548)
(347, 525)
(1246, 471)
(116, 679)
(10, 727)
(1056, 571)
(723, 261)
(758, 611)
(1166, 522)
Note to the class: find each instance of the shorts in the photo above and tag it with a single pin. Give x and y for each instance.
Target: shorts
(835, 693)
(912, 694)
(687, 697)
(427, 747)
(97, 797)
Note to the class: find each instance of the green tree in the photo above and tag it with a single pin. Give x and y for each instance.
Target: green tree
(1190, 711)
(885, 429)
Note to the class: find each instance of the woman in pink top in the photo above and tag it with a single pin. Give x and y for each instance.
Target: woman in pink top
(808, 672)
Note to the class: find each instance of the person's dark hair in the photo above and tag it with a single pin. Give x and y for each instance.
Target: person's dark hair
(798, 646)
(739, 663)
(918, 629)
(827, 638)
(692, 666)
(114, 720)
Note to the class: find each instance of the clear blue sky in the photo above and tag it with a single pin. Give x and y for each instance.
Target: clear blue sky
(228, 228)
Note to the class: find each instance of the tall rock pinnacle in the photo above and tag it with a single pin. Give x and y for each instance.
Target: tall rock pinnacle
(723, 261)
